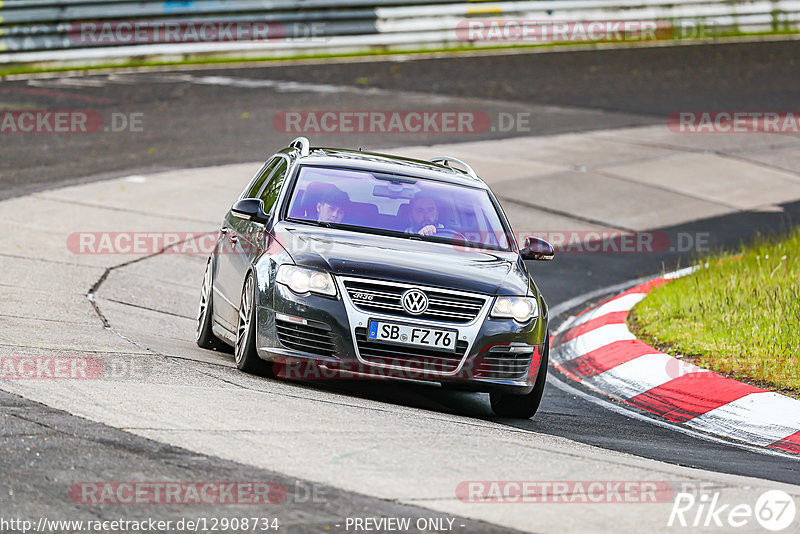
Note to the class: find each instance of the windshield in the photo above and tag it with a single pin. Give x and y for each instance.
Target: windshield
(397, 205)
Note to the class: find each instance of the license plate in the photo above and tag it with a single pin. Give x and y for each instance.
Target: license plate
(418, 336)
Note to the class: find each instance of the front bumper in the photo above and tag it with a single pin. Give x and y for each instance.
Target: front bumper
(318, 337)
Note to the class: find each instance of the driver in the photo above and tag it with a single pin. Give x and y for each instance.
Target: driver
(331, 207)
(424, 215)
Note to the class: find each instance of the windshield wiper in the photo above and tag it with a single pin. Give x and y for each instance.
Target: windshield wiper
(324, 224)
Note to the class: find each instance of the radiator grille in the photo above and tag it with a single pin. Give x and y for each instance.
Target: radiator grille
(411, 358)
(381, 297)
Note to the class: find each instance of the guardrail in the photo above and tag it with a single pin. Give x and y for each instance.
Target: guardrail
(99, 31)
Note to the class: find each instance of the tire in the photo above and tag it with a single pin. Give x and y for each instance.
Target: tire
(244, 351)
(204, 336)
(523, 406)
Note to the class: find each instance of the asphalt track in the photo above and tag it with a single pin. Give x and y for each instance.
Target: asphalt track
(191, 123)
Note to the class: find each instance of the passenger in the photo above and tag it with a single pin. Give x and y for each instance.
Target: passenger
(424, 214)
(331, 207)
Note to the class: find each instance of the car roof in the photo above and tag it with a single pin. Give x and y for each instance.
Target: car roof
(388, 163)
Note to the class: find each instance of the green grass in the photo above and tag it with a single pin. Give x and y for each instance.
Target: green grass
(226, 60)
(738, 315)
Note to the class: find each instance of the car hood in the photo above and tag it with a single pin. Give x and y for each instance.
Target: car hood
(412, 261)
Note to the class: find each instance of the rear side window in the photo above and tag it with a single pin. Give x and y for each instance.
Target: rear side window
(258, 184)
(269, 192)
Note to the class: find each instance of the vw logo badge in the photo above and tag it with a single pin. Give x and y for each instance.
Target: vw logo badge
(415, 301)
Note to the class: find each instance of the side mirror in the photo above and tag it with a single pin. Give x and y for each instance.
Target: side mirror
(250, 209)
(537, 248)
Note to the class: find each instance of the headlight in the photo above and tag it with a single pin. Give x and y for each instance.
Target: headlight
(302, 280)
(521, 309)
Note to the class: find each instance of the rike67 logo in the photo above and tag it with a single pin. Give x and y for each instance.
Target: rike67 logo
(774, 510)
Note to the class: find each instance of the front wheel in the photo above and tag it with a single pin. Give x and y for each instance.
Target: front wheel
(244, 351)
(523, 406)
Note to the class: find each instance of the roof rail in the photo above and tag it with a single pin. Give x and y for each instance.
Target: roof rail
(301, 144)
(445, 160)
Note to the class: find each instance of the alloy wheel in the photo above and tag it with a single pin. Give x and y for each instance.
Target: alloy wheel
(205, 296)
(243, 324)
